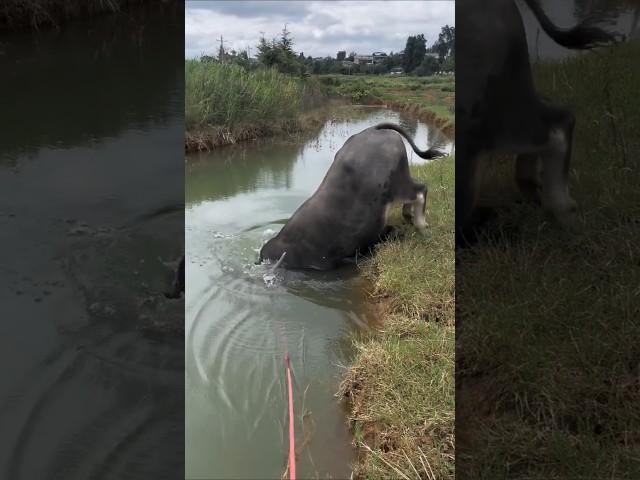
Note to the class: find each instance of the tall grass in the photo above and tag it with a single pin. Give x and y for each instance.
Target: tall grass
(226, 103)
(227, 95)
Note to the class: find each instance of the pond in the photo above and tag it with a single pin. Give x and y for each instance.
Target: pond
(92, 142)
(238, 329)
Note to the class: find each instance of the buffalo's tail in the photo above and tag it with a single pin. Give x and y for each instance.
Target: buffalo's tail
(429, 153)
(586, 35)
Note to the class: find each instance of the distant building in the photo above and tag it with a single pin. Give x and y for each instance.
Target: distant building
(363, 59)
(375, 57)
(378, 57)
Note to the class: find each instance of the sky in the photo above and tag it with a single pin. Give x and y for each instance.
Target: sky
(318, 28)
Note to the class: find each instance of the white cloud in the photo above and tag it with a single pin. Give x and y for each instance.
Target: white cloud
(318, 28)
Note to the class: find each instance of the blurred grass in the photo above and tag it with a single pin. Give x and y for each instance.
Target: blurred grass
(548, 345)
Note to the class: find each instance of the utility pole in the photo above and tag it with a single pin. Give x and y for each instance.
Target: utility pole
(221, 51)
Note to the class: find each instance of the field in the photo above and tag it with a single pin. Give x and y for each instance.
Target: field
(431, 99)
(401, 384)
(548, 350)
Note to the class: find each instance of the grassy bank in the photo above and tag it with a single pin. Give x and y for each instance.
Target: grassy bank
(226, 103)
(36, 14)
(431, 99)
(401, 384)
(549, 321)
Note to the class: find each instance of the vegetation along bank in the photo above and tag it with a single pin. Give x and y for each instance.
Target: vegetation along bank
(400, 386)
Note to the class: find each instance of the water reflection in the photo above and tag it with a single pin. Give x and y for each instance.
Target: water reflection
(92, 138)
(83, 85)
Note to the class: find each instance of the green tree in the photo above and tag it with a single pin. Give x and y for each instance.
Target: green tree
(414, 52)
(393, 60)
(268, 54)
(341, 55)
(429, 66)
(449, 65)
(279, 54)
(445, 45)
(286, 42)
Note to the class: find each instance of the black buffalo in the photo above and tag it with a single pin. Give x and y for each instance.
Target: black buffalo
(499, 111)
(347, 214)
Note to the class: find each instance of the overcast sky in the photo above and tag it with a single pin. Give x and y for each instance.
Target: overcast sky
(318, 28)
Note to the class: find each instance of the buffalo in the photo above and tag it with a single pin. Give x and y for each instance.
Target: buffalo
(348, 212)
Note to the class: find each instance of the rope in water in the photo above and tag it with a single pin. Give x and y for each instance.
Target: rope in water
(292, 436)
(287, 361)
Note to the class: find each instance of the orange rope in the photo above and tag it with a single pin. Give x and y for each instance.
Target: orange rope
(292, 436)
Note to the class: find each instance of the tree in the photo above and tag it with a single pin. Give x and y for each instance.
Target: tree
(449, 65)
(268, 53)
(414, 52)
(445, 45)
(391, 61)
(429, 66)
(279, 54)
(352, 56)
(341, 55)
(286, 42)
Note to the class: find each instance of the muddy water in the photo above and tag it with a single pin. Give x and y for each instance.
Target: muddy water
(238, 329)
(91, 142)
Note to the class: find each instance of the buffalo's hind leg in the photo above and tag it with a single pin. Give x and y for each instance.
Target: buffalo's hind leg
(528, 176)
(414, 211)
(466, 193)
(555, 170)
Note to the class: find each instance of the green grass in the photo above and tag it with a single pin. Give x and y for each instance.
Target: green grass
(428, 98)
(225, 103)
(549, 321)
(401, 383)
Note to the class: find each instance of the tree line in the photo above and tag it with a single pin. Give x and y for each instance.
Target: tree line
(278, 53)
